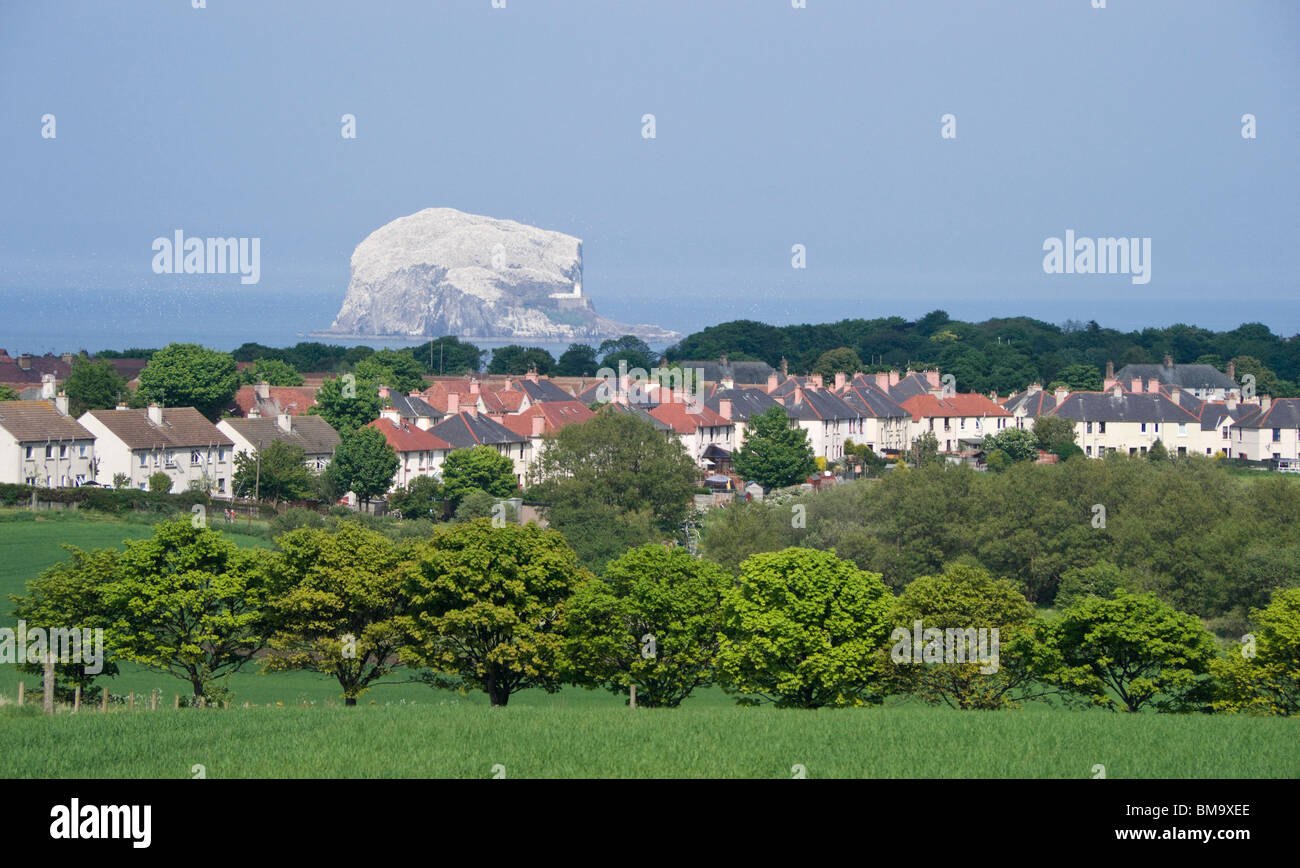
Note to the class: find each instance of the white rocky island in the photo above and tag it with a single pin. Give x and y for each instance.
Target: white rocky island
(444, 272)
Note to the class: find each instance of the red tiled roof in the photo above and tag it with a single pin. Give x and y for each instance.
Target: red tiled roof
(557, 414)
(922, 406)
(685, 422)
(405, 437)
(294, 400)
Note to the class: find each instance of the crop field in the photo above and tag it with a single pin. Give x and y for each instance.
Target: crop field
(448, 736)
(295, 726)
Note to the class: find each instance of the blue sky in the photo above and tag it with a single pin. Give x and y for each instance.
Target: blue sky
(775, 126)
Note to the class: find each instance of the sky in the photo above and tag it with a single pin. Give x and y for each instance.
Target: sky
(774, 126)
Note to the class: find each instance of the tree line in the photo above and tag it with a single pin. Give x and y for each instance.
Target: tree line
(501, 607)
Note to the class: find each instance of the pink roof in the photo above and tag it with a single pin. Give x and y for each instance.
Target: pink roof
(966, 404)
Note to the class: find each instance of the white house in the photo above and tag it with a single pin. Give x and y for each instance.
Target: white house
(40, 444)
(312, 433)
(177, 441)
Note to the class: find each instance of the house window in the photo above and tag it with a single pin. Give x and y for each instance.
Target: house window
(63, 450)
(1182, 429)
(1143, 429)
(144, 460)
(1277, 435)
(1088, 427)
(195, 457)
(83, 450)
(1101, 428)
(49, 451)
(29, 452)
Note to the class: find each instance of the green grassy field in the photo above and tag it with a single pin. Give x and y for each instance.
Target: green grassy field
(449, 737)
(409, 730)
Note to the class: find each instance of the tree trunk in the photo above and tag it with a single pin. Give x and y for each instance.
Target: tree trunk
(498, 696)
(349, 700)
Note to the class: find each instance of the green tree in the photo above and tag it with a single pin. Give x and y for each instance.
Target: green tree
(191, 604)
(449, 355)
(841, 360)
(1101, 579)
(272, 371)
(488, 607)
(804, 629)
(363, 463)
(479, 468)
(1054, 433)
(337, 605)
(595, 478)
(93, 385)
(160, 483)
(422, 497)
(924, 450)
(1264, 678)
(70, 595)
(862, 453)
(275, 472)
(733, 533)
(651, 620)
(7, 394)
(347, 403)
(396, 369)
(776, 452)
(188, 375)
(480, 504)
(579, 360)
(515, 359)
(629, 349)
(1016, 443)
(960, 603)
(1158, 452)
(1080, 378)
(1132, 651)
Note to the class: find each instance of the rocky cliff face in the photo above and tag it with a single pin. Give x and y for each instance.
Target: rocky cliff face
(444, 272)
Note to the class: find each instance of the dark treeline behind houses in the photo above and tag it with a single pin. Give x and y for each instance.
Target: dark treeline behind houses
(996, 354)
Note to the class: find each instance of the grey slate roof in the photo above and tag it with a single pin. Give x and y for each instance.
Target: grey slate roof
(744, 402)
(414, 407)
(872, 403)
(1186, 376)
(542, 391)
(819, 404)
(1035, 404)
(312, 433)
(638, 413)
(39, 421)
(909, 387)
(464, 430)
(1127, 407)
(1284, 413)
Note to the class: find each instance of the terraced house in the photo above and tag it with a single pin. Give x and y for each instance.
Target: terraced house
(312, 434)
(1131, 421)
(1268, 431)
(177, 441)
(40, 444)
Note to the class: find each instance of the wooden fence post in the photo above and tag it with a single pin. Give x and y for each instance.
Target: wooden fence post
(177, 705)
(103, 699)
(47, 686)
(22, 688)
(153, 699)
(76, 698)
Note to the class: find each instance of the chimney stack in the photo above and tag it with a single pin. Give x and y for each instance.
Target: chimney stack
(262, 390)
(772, 382)
(539, 425)
(453, 403)
(724, 408)
(47, 386)
(785, 367)
(61, 403)
(1232, 372)
(727, 383)
(25, 362)
(390, 413)
(1118, 390)
(1176, 395)
(932, 377)
(882, 380)
(473, 386)
(814, 382)
(1110, 370)
(1169, 360)
(532, 374)
(840, 380)
(893, 378)
(1136, 385)
(1063, 393)
(798, 396)
(155, 414)
(285, 422)
(1265, 402)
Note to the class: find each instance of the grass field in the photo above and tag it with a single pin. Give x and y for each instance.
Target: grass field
(450, 737)
(410, 730)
